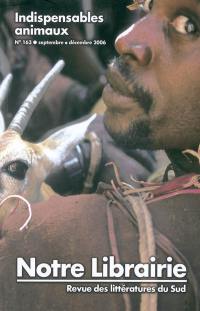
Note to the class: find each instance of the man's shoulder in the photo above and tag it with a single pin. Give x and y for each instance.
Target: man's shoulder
(70, 202)
(56, 212)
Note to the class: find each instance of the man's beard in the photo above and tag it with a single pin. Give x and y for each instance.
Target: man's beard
(137, 91)
(138, 132)
(137, 135)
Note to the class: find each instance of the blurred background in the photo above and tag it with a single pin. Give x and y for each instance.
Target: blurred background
(78, 89)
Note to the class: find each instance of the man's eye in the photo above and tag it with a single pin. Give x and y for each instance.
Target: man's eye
(184, 25)
(148, 4)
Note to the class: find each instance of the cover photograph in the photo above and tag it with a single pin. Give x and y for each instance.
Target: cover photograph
(99, 155)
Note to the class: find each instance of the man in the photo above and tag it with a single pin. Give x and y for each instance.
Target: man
(152, 101)
(153, 93)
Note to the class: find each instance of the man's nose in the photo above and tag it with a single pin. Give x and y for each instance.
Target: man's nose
(134, 41)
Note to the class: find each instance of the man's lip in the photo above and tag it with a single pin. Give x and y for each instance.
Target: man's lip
(115, 100)
(117, 81)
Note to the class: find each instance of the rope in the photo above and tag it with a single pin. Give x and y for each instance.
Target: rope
(114, 249)
(138, 214)
(147, 246)
(95, 160)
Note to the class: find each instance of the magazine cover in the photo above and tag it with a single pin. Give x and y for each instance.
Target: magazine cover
(99, 155)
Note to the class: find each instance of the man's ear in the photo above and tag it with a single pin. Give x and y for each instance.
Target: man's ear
(57, 146)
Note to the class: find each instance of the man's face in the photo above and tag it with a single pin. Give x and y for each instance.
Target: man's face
(153, 94)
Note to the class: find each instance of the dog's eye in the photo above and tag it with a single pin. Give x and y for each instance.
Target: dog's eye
(184, 25)
(16, 169)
